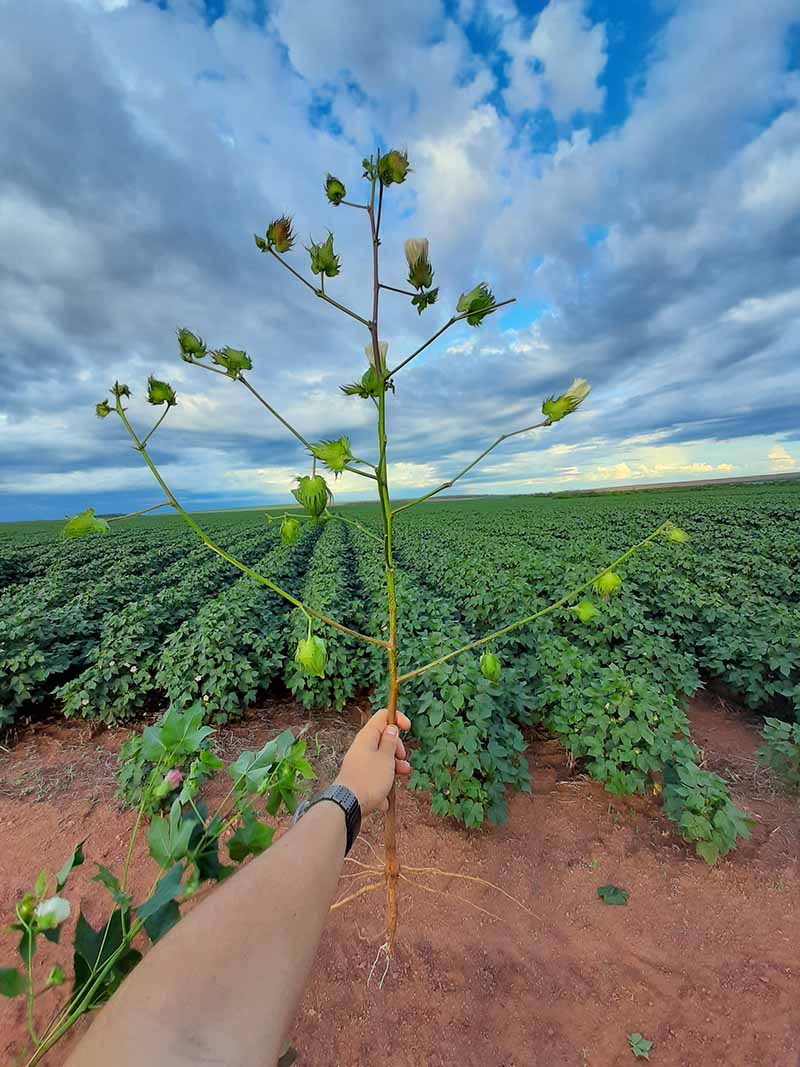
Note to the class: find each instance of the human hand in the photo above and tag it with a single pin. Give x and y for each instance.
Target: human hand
(376, 755)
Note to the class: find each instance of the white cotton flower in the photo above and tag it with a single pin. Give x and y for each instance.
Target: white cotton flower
(556, 408)
(52, 912)
(134, 670)
(369, 352)
(198, 677)
(205, 698)
(85, 703)
(416, 248)
(578, 391)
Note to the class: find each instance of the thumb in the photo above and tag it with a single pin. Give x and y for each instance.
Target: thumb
(388, 745)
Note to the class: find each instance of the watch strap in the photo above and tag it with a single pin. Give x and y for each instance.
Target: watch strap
(348, 802)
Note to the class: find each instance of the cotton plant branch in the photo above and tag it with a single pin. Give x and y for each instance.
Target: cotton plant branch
(273, 411)
(141, 511)
(319, 292)
(450, 322)
(356, 525)
(394, 289)
(468, 468)
(528, 619)
(308, 611)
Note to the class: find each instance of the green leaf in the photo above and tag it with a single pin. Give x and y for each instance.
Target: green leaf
(108, 879)
(250, 839)
(12, 982)
(177, 733)
(27, 943)
(93, 949)
(85, 523)
(161, 922)
(75, 860)
(257, 767)
(708, 850)
(424, 300)
(612, 894)
(160, 911)
(167, 888)
(640, 1046)
(273, 801)
(56, 976)
(41, 885)
(168, 839)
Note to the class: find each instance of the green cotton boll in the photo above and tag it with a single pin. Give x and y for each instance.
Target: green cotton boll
(676, 535)
(233, 360)
(586, 611)
(490, 666)
(323, 258)
(371, 384)
(120, 390)
(290, 531)
(476, 302)
(160, 392)
(102, 409)
(556, 408)
(312, 493)
(334, 190)
(607, 584)
(85, 523)
(279, 235)
(191, 346)
(420, 271)
(312, 655)
(420, 274)
(393, 167)
(334, 454)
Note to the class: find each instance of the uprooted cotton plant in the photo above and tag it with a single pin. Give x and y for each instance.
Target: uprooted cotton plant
(375, 386)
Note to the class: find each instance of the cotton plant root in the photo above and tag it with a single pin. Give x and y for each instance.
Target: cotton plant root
(383, 879)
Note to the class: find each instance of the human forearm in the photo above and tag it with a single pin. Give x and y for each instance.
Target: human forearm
(223, 986)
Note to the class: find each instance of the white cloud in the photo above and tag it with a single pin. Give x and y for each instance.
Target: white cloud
(111, 234)
(557, 65)
(780, 460)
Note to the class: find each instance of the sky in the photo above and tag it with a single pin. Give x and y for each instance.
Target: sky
(630, 172)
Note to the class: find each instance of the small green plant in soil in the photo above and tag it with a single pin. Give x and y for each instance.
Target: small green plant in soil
(612, 894)
(640, 1046)
(166, 773)
(780, 750)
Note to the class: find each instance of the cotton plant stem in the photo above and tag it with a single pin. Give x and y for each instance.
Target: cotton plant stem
(72, 1013)
(537, 614)
(450, 322)
(392, 865)
(232, 559)
(468, 468)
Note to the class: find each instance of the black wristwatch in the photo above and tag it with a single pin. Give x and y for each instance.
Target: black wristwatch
(347, 801)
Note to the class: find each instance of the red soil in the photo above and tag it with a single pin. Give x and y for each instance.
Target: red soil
(702, 961)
